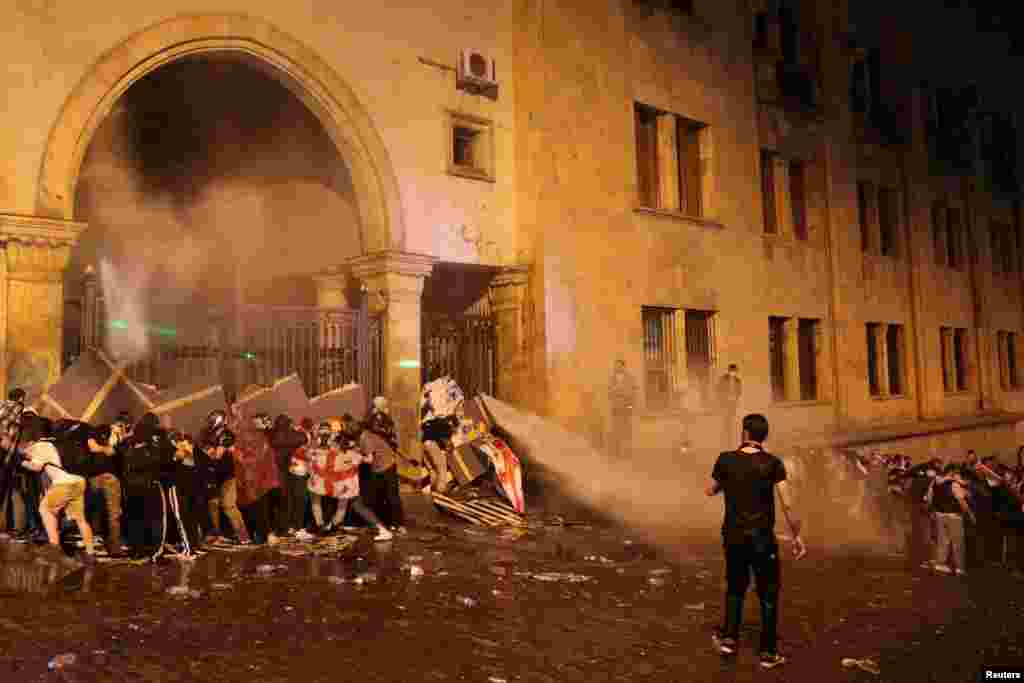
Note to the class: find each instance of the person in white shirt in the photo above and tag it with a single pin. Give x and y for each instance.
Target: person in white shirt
(66, 492)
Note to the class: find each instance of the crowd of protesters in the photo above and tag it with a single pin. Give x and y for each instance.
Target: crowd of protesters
(151, 490)
(954, 516)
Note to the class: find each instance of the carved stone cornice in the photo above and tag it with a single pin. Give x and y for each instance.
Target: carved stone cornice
(38, 231)
(391, 263)
(37, 248)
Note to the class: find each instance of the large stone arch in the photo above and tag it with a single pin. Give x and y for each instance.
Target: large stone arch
(282, 57)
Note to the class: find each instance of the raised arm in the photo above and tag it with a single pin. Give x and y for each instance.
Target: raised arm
(799, 549)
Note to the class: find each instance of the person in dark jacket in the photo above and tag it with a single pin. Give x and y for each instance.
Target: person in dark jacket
(105, 484)
(191, 467)
(285, 439)
(382, 478)
(223, 493)
(146, 456)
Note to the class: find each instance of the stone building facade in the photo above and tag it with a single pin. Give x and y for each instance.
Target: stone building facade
(683, 185)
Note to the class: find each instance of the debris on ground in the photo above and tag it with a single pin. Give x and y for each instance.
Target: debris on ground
(560, 576)
(868, 665)
(61, 661)
(467, 601)
(265, 569)
(697, 607)
(656, 581)
(336, 579)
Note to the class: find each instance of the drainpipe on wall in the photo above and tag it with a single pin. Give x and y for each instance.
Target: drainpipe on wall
(915, 313)
(966, 187)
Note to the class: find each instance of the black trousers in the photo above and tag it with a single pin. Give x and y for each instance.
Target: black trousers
(382, 496)
(756, 551)
(263, 517)
(143, 518)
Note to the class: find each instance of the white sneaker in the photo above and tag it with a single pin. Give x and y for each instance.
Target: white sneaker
(383, 535)
(304, 536)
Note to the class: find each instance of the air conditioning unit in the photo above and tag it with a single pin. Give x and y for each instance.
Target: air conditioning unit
(476, 72)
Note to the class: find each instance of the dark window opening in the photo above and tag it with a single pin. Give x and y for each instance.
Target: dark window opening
(894, 356)
(777, 349)
(464, 142)
(863, 214)
(688, 141)
(808, 345)
(798, 199)
(768, 191)
(960, 358)
(945, 339)
(699, 351)
(887, 222)
(954, 234)
(646, 120)
(874, 385)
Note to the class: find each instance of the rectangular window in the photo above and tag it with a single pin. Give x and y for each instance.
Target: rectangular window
(660, 173)
(960, 358)
(658, 332)
(768, 191)
(688, 138)
(864, 214)
(777, 349)
(887, 222)
(874, 383)
(894, 356)
(954, 237)
(1007, 345)
(939, 228)
(808, 346)
(646, 120)
(699, 351)
(946, 349)
(470, 147)
(797, 199)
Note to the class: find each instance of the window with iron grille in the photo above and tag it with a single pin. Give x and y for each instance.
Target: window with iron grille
(659, 333)
(777, 350)
(894, 357)
(700, 351)
(874, 381)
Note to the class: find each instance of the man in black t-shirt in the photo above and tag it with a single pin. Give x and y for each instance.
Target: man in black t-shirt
(749, 477)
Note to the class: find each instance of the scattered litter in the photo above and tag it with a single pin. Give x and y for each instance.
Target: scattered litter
(627, 542)
(697, 607)
(289, 608)
(467, 601)
(656, 581)
(703, 575)
(365, 577)
(134, 627)
(415, 570)
(498, 570)
(61, 661)
(495, 679)
(336, 579)
(415, 558)
(270, 568)
(178, 590)
(868, 665)
(660, 572)
(220, 586)
(558, 576)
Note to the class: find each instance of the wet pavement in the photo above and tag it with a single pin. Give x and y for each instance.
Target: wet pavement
(450, 602)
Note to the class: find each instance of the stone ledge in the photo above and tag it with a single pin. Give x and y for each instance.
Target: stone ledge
(906, 430)
(681, 217)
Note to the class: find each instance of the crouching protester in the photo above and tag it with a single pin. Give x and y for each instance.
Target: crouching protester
(66, 492)
(749, 477)
(379, 440)
(334, 473)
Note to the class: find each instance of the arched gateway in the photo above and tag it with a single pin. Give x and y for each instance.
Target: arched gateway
(393, 278)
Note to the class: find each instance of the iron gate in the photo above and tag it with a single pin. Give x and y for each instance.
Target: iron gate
(463, 347)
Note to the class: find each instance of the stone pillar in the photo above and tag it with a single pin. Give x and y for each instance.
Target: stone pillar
(89, 334)
(509, 291)
(332, 289)
(394, 285)
(36, 251)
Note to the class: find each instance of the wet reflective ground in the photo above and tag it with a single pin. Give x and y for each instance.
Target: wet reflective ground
(551, 604)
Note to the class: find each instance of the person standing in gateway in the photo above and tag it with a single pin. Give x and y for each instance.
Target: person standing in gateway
(730, 389)
(749, 477)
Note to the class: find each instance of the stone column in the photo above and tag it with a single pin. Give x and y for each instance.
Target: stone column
(394, 285)
(36, 251)
(509, 291)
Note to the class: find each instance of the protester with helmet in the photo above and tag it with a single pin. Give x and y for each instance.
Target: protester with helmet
(223, 489)
(259, 485)
(286, 439)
